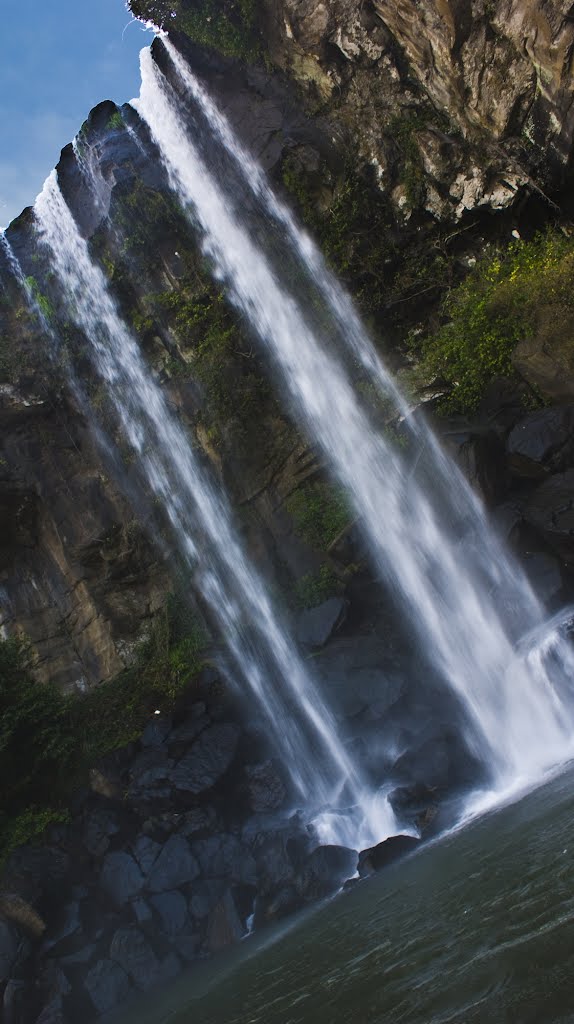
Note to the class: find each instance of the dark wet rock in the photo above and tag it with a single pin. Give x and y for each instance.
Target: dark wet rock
(156, 731)
(205, 895)
(130, 949)
(13, 1002)
(188, 946)
(542, 442)
(316, 625)
(378, 857)
(146, 851)
(152, 763)
(80, 956)
(100, 824)
(543, 571)
(376, 671)
(209, 759)
(29, 871)
(66, 924)
(224, 924)
(169, 968)
(107, 985)
(265, 787)
(224, 856)
(53, 1013)
(188, 730)
(121, 878)
(142, 911)
(8, 949)
(198, 819)
(274, 864)
(280, 903)
(174, 866)
(551, 510)
(172, 910)
(325, 870)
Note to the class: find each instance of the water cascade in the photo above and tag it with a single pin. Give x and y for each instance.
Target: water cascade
(259, 649)
(427, 531)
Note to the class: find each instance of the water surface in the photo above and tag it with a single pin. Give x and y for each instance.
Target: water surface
(478, 927)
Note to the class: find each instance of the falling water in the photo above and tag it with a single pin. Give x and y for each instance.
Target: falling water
(261, 652)
(462, 593)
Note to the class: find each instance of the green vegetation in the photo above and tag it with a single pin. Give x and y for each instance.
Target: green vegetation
(48, 740)
(507, 296)
(43, 303)
(354, 233)
(313, 588)
(115, 122)
(319, 512)
(228, 26)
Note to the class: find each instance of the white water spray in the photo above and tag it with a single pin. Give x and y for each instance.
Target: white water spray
(260, 650)
(463, 596)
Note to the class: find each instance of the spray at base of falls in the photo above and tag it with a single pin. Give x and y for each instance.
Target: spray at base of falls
(465, 597)
(345, 808)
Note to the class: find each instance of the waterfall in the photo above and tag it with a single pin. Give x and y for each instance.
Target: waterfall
(427, 532)
(262, 654)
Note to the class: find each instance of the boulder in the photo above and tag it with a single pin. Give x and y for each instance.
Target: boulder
(224, 856)
(53, 1013)
(14, 908)
(13, 1002)
(385, 853)
(121, 878)
(205, 895)
(224, 924)
(135, 956)
(542, 442)
(265, 787)
(315, 625)
(550, 509)
(174, 866)
(543, 571)
(8, 949)
(156, 731)
(172, 910)
(146, 851)
(325, 870)
(99, 824)
(107, 985)
(66, 924)
(209, 759)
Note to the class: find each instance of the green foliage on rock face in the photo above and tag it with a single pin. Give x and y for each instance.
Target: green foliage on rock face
(319, 512)
(228, 26)
(42, 302)
(506, 297)
(165, 664)
(314, 588)
(36, 745)
(353, 232)
(115, 122)
(47, 739)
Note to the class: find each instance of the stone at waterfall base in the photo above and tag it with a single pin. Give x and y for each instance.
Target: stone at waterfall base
(378, 857)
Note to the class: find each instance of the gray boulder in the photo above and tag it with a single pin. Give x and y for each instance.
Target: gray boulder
(8, 949)
(156, 731)
(146, 851)
(135, 956)
(205, 895)
(107, 985)
(224, 924)
(266, 791)
(542, 442)
(325, 870)
(224, 856)
(121, 877)
(174, 866)
(316, 625)
(209, 759)
(386, 853)
(551, 510)
(172, 910)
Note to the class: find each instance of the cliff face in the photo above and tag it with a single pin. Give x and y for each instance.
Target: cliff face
(386, 123)
(497, 74)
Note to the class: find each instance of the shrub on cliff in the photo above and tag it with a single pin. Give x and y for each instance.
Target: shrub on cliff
(504, 299)
(36, 746)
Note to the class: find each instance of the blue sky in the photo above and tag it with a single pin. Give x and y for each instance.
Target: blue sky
(59, 58)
